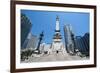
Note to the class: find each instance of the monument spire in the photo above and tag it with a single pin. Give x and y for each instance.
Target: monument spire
(57, 24)
(57, 44)
(57, 36)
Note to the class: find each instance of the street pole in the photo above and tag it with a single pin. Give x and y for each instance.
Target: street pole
(40, 39)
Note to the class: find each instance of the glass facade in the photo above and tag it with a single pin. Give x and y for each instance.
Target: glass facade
(82, 44)
(69, 39)
(25, 28)
(32, 42)
(65, 37)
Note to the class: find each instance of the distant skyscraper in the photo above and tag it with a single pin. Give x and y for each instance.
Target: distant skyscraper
(79, 43)
(69, 39)
(66, 38)
(30, 42)
(82, 44)
(86, 42)
(25, 28)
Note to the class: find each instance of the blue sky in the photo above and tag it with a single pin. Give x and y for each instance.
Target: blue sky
(46, 21)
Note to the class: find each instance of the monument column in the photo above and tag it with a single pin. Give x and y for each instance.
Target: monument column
(57, 24)
(57, 45)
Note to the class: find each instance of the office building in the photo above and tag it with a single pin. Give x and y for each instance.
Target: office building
(69, 39)
(82, 44)
(25, 28)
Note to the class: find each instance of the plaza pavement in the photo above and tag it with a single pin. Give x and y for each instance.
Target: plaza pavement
(54, 57)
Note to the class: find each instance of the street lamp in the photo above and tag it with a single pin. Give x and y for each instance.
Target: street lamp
(40, 39)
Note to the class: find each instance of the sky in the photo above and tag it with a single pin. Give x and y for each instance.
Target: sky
(46, 21)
